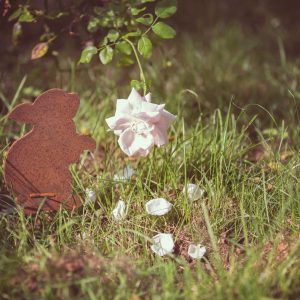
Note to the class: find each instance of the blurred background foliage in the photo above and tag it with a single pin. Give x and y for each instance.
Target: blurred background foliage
(224, 52)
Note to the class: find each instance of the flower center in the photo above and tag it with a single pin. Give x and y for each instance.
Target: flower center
(140, 126)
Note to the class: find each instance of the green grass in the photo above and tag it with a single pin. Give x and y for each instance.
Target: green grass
(248, 218)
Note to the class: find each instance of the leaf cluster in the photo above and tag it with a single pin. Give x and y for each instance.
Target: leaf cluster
(135, 26)
(106, 28)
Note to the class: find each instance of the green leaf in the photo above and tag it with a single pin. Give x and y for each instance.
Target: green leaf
(26, 16)
(145, 47)
(135, 11)
(98, 10)
(104, 42)
(124, 48)
(125, 61)
(113, 35)
(163, 30)
(106, 55)
(93, 24)
(87, 54)
(136, 84)
(16, 14)
(134, 33)
(146, 19)
(166, 8)
(119, 22)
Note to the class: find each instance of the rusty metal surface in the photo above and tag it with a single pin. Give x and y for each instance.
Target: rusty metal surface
(36, 170)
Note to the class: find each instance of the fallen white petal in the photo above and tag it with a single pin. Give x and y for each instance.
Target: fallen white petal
(193, 191)
(119, 211)
(158, 207)
(91, 195)
(162, 244)
(125, 174)
(196, 251)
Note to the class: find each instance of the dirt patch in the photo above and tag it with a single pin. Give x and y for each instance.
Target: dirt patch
(67, 271)
(280, 249)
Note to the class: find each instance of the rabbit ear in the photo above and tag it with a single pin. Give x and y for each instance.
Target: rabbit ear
(22, 113)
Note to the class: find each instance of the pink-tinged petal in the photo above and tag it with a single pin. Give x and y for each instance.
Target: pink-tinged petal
(145, 141)
(135, 99)
(141, 144)
(152, 117)
(111, 122)
(148, 97)
(149, 107)
(118, 122)
(168, 117)
(160, 107)
(160, 137)
(125, 141)
(118, 132)
(142, 153)
(162, 126)
(123, 107)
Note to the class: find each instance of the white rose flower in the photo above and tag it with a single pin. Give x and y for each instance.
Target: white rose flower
(140, 124)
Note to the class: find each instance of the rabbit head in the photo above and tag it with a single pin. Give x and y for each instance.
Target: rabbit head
(54, 105)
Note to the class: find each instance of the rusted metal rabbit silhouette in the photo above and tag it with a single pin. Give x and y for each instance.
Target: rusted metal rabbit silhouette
(37, 166)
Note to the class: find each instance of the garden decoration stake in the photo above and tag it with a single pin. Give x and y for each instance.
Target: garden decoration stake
(36, 170)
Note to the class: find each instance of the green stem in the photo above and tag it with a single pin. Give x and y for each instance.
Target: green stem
(142, 75)
(52, 39)
(150, 27)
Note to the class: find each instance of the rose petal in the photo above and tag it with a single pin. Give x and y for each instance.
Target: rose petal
(193, 191)
(123, 107)
(142, 152)
(142, 143)
(149, 107)
(163, 244)
(196, 251)
(158, 207)
(125, 174)
(119, 211)
(160, 138)
(148, 97)
(125, 141)
(118, 122)
(135, 99)
(152, 117)
(91, 195)
(168, 117)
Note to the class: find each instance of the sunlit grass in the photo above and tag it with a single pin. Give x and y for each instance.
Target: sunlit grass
(248, 218)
